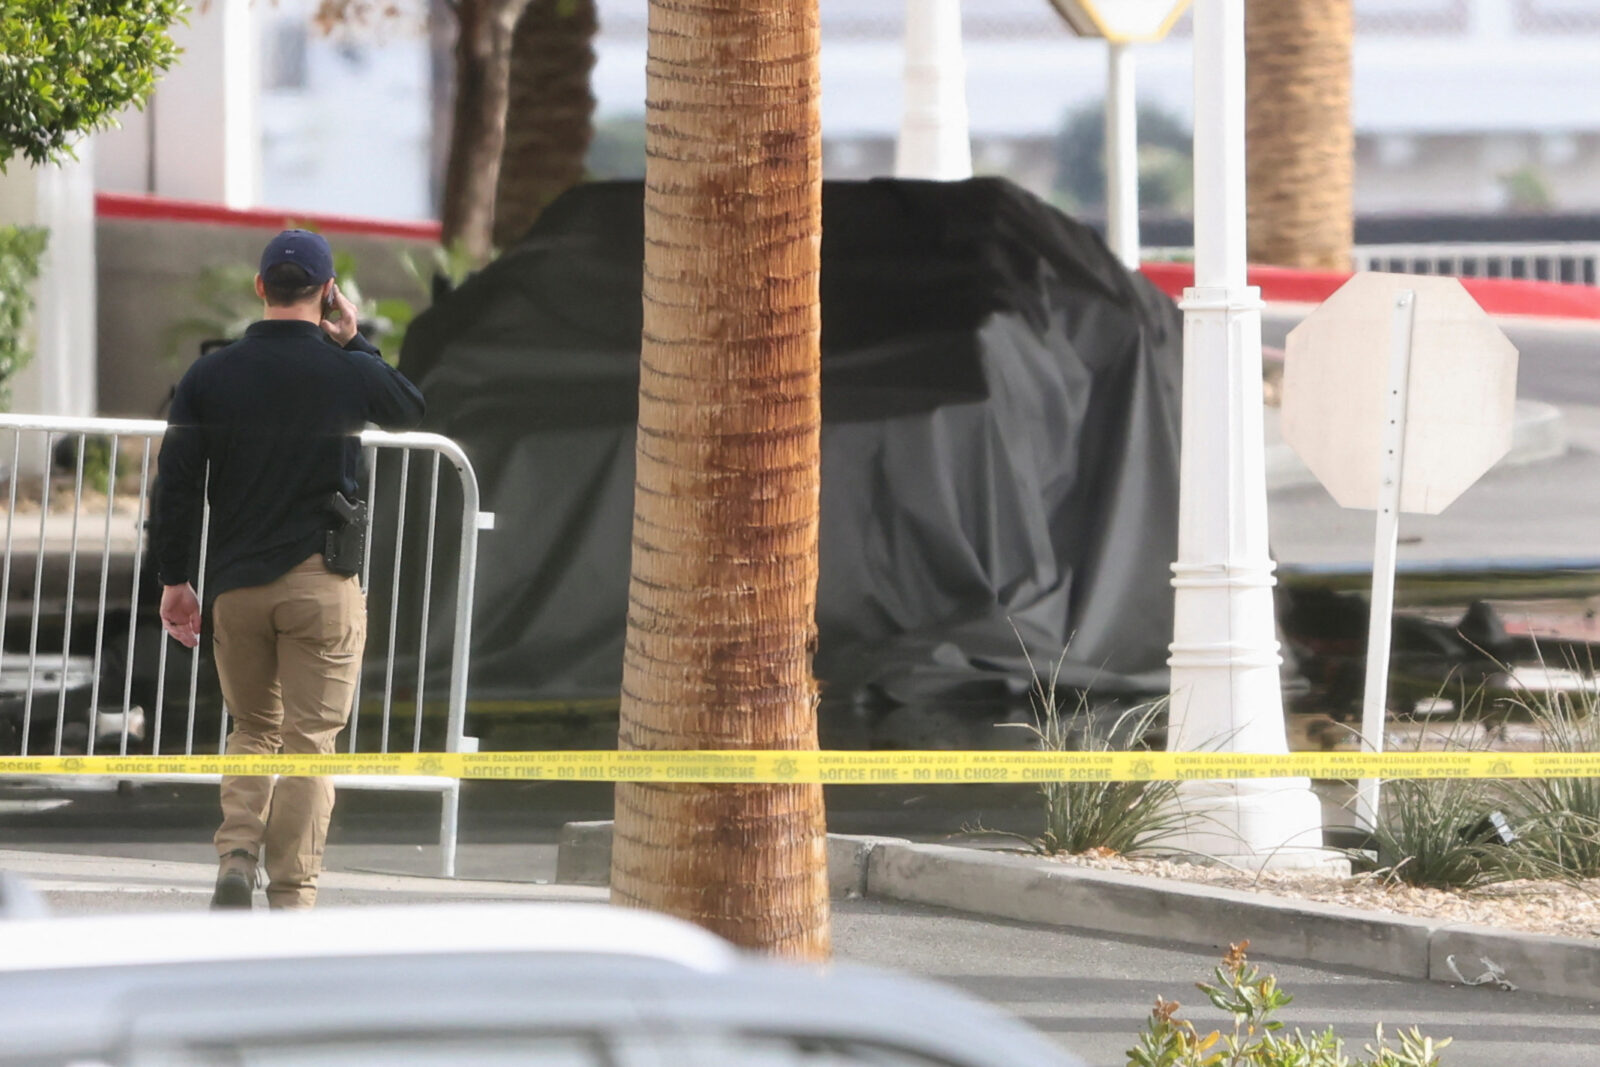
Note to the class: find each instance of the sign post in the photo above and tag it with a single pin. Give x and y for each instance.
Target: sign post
(1122, 24)
(1386, 539)
(1398, 393)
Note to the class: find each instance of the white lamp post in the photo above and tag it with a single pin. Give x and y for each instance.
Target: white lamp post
(1226, 693)
(934, 138)
(1122, 23)
(1122, 155)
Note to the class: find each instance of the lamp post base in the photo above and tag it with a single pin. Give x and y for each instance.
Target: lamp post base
(1272, 824)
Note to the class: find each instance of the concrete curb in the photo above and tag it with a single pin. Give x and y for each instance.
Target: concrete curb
(1036, 890)
(1028, 889)
(1538, 434)
(583, 857)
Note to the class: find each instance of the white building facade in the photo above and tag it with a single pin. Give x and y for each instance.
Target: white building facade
(1459, 105)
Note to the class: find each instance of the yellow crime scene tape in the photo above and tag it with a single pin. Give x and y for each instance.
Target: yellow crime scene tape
(837, 767)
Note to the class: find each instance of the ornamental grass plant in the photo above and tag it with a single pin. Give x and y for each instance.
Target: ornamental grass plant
(1442, 834)
(1120, 818)
(1560, 817)
(1467, 833)
(1455, 833)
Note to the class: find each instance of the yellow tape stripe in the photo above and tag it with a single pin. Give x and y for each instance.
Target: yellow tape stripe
(841, 768)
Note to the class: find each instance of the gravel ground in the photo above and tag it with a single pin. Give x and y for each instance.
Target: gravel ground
(1539, 907)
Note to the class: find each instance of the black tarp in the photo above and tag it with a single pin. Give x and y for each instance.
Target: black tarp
(999, 448)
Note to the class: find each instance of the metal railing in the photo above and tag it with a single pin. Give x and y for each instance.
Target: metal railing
(1563, 262)
(1570, 263)
(94, 479)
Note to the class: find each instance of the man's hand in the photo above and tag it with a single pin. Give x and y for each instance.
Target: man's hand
(344, 328)
(180, 612)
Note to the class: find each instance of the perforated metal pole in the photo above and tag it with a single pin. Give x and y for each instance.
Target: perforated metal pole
(1391, 464)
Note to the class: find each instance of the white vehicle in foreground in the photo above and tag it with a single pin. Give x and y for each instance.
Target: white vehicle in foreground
(555, 985)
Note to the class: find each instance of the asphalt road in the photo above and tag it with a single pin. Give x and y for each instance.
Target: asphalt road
(1549, 509)
(1093, 993)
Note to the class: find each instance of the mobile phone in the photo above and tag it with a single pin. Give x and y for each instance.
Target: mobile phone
(329, 303)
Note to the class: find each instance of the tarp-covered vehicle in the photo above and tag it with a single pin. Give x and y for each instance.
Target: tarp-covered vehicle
(999, 448)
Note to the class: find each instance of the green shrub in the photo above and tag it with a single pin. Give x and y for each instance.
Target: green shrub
(223, 301)
(20, 250)
(394, 314)
(1256, 1039)
(220, 305)
(98, 453)
(67, 67)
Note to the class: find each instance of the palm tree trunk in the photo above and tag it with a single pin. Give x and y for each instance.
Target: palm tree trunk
(722, 604)
(549, 112)
(1299, 138)
(483, 62)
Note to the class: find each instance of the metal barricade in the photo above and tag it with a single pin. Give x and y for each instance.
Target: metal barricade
(95, 674)
(1563, 262)
(1570, 263)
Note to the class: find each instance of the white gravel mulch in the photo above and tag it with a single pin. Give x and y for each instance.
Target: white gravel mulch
(1539, 907)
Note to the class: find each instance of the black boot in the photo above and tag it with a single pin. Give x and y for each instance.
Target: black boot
(236, 882)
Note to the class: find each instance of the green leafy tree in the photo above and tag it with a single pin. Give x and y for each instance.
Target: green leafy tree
(20, 249)
(67, 67)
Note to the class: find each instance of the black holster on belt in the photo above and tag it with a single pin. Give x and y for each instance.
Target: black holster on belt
(347, 540)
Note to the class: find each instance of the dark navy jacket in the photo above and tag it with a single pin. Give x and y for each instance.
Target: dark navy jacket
(273, 414)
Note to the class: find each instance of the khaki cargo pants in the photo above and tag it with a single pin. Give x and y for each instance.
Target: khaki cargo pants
(288, 656)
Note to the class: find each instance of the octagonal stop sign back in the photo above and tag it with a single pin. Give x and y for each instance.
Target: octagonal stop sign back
(1460, 397)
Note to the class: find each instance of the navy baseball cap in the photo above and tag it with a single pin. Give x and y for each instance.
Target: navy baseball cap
(304, 249)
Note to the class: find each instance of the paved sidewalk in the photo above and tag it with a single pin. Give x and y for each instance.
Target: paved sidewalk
(79, 885)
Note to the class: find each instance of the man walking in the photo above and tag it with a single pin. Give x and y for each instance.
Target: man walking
(273, 416)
